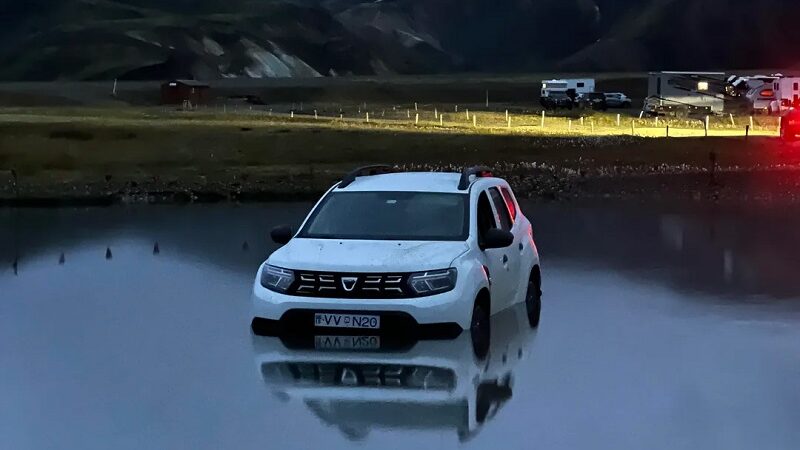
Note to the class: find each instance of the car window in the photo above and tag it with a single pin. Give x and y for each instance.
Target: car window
(485, 217)
(413, 216)
(512, 205)
(501, 208)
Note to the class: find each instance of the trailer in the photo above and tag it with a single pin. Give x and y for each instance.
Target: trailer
(685, 94)
(777, 97)
(572, 87)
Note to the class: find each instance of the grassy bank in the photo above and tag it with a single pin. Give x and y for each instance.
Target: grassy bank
(141, 154)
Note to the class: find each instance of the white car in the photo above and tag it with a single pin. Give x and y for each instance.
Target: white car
(617, 100)
(431, 253)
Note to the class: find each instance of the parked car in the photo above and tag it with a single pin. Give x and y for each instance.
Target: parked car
(385, 252)
(557, 100)
(617, 100)
(593, 100)
(790, 125)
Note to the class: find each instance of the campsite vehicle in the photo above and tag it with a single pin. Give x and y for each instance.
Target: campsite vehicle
(593, 100)
(617, 100)
(390, 252)
(572, 87)
(557, 100)
(776, 97)
(685, 94)
(790, 125)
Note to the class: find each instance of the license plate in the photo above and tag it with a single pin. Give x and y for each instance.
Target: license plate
(347, 342)
(346, 321)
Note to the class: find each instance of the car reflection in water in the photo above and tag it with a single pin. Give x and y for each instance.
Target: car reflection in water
(358, 383)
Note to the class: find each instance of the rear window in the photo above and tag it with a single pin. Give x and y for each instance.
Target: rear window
(411, 216)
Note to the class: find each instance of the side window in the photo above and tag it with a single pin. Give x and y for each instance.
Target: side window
(580, 85)
(502, 209)
(485, 217)
(512, 205)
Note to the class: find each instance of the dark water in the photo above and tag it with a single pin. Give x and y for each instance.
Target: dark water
(660, 329)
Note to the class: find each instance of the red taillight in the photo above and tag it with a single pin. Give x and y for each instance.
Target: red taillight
(485, 174)
(767, 93)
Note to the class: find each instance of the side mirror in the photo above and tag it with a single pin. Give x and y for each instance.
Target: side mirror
(496, 238)
(281, 234)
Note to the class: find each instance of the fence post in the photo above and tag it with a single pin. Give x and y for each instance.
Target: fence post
(656, 121)
(415, 106)
(467, 111)
(487, 98)
(751, 122)
(618, 117)
(408, 113)
(633, 127)
(509, 121)
(315, 114)
(506, 114)
(435, 113)
(542, 119)
(475, 121)
(641, 114)
(341, 116)
(416, 119)
(733, 123)
(706, 125)
(747, 132)
(441, 120)
(291, 115)
(569, 125)
(667, 130)
(456, 108)
(367, 117)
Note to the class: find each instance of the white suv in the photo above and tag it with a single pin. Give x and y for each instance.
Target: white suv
(385, 252)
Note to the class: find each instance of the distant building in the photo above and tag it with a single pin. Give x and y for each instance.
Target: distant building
(180, 92)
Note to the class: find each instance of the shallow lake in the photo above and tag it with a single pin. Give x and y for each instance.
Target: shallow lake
(661, 328)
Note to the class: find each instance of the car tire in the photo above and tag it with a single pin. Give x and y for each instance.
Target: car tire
(533, 298)
(480, 330)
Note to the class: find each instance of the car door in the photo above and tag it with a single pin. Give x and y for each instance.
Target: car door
(511, 254)
(495, 259)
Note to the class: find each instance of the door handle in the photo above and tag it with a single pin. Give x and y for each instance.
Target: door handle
(521, 246)
(505, 259)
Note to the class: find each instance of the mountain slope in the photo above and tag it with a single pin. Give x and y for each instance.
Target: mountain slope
(206, 39)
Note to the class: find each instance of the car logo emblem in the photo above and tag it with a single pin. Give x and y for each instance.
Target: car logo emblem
(349, 283)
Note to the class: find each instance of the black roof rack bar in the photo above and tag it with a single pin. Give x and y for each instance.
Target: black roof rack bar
(477, 171)
(377, 169)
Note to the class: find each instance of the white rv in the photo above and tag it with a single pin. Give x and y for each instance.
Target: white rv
(776, 97)
(571, 87)
(685, 93)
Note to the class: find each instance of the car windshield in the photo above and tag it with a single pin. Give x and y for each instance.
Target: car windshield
(412, 216)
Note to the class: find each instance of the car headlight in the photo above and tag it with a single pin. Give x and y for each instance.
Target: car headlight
(276, 279)
(433, 282)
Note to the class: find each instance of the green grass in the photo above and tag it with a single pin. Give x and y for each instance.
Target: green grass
(57, 150)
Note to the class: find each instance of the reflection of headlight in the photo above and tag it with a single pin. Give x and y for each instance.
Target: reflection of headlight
(276, 278)
(432, 378)
(433, 282)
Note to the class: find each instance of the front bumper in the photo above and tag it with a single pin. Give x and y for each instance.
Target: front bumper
(450, 310)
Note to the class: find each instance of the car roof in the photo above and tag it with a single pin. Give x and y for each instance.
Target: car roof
(443, 182)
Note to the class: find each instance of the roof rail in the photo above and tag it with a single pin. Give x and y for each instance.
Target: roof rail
(365, 171)
(477, 171)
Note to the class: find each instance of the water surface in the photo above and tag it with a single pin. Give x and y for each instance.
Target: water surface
(660, 329)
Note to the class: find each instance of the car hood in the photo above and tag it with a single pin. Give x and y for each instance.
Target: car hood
(366, 256)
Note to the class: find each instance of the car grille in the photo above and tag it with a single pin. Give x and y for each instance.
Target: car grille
(350, 285)
(360, 375)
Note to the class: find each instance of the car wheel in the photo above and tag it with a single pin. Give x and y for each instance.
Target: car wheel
(533, 298)
(480, 330)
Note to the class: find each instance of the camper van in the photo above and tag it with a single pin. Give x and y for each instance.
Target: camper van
(571, 87)
(776, 97)
(685, 93)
